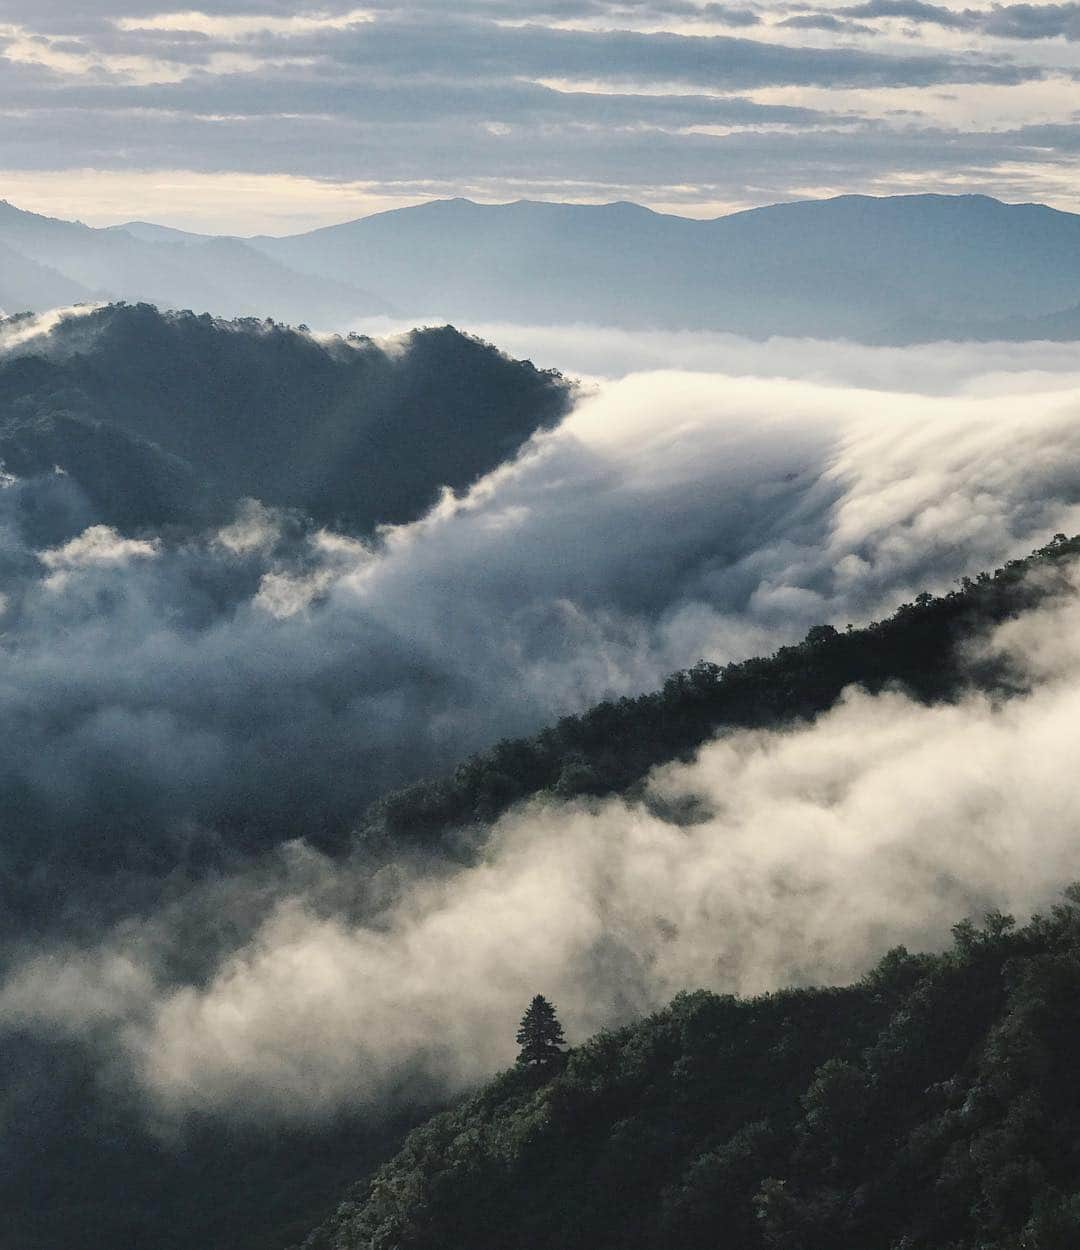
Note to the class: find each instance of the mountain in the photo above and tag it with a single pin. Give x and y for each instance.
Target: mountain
(149, 233)
(667, 1129)
(173, 418)
(934, 1103)
(611, 748)
(26, 284)
(224, 276)
(894, 269)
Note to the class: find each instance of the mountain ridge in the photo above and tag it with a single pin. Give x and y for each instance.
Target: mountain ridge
(221, 275)
(875, 269)
(931, 1103)
(889, 269)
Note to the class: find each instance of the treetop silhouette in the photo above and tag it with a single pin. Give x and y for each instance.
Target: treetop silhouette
(540, 1035)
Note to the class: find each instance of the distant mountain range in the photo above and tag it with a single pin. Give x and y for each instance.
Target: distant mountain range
(898, 269)
(892, 270)
(45, 263)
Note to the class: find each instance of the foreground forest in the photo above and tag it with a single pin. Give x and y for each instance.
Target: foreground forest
(934, 1105)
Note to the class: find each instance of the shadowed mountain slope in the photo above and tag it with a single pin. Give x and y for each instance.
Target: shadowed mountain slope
(173, 418)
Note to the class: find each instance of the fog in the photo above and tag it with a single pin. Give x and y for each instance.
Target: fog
(937, 368)
(814, 851)
(171, 698)
(195, 721)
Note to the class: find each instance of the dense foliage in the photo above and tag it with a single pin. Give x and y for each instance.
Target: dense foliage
(611, 747)
(172, 418)
(935, 1105)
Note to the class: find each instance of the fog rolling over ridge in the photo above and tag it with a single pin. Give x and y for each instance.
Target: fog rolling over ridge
(206, 694)
(811, 854)
(174, 419)
(553, 506)
(215, 653)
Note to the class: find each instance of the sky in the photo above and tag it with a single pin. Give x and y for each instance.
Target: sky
(254, 116)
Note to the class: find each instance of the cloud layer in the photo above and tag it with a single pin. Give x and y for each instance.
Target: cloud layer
(702, 106)
(189, 720)
(814, 852)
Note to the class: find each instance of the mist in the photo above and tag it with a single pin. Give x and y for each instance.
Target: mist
(812, 853)
(195, 721)
(177, 701)
(938, 368)
(266, 679)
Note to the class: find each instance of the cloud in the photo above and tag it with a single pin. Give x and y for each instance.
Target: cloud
(941, 368)
(209, 697)
(177, 708)
(1002, 21)
(1033, 21)
(823, 21)
(914, 11)
(97, 546)
(654, 102)
(813, 852)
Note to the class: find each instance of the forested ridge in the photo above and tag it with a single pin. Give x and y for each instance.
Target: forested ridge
(921, 649)
(172, 418)
(934, 1105)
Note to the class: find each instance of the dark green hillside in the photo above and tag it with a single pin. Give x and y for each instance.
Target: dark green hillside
(130, 402)
(608, 749)
(935, 1105)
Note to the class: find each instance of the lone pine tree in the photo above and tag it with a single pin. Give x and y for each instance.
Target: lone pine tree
(540, 1035)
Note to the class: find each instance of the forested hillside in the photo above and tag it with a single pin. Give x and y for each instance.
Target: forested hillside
(934, 1104)
(172, 418)
(921, 649)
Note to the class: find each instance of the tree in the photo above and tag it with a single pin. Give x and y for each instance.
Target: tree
(540, 1035)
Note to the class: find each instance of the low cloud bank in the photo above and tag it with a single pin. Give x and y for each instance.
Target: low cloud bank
(169, 703)
(938, 368)
(193, 722)
(813, 852)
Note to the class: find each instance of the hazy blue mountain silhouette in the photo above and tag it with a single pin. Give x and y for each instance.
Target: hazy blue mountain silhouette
(899, 268)
(24, 284)
(223, 276)
(895, 270)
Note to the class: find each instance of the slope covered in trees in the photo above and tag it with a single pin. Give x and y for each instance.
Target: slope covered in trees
(611, 747)
(171, 418)
(934, 1104)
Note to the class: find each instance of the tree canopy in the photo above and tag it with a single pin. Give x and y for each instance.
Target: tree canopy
(933, 1105)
